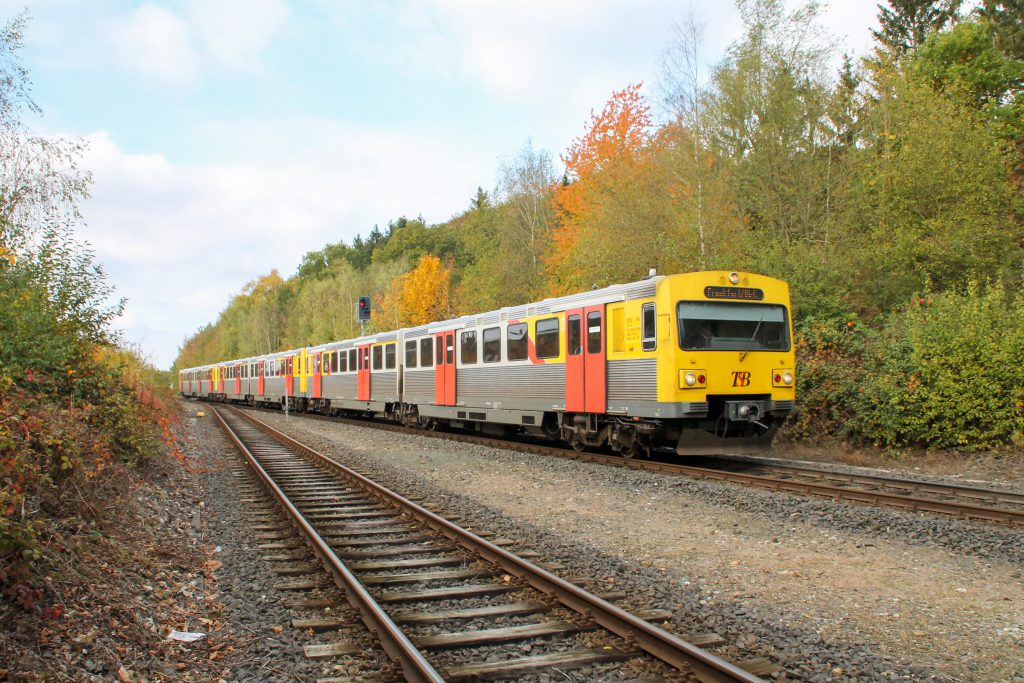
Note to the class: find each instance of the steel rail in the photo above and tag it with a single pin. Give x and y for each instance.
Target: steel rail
(878, 498)
(655, 641)
(940, 488)
(415, 667)
(897, 500)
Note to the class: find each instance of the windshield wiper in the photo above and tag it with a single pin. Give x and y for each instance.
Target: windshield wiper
(750, 344)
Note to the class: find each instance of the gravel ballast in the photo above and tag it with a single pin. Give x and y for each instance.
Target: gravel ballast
(831, 590)
(267, 647)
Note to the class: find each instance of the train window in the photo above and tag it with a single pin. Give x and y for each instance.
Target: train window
(449, 348)
(547, 338)
(574, 340)
(468, 342)
(378, 357)
(308, 362)
(410, 353)
(426, 352)
(594, 332)
(516, 342)
(389, 357)
(342, 361)
(719, 326)
(352, 360)
(492, 345)
(440, 350)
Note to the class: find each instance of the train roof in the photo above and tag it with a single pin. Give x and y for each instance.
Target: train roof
(640, 289)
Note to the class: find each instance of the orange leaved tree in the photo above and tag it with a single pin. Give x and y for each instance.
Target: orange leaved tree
(420, 296)
(615, 144)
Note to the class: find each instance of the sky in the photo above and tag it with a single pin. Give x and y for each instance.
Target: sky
(230, 137)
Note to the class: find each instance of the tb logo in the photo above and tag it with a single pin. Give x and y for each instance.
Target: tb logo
(741, 379)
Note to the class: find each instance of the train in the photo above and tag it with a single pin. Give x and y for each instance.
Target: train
(698, 363)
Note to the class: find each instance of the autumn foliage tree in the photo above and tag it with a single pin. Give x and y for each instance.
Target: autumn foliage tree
(615, 145)
(420, 296)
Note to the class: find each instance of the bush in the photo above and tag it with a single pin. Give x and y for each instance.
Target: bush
(947, 371)
(829, 355)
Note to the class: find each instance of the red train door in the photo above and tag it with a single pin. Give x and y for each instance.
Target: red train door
(238, 380)
(288, 366)
(444, 369)
(363, 380)
(318, 369)
(585, 380)
(260, 382)
(575, 365)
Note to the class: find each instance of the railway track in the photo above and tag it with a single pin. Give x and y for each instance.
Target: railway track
(992, 505)
(416, 579)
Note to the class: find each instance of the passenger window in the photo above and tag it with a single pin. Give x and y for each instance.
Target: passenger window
(449, 348)
(440, 350)
(594, 332)
(342, 361)
(515, 342)
(492, 345)
(410, 354)
(378, 357)
(427, 352)
(547, 338)
(352, 360)
(334, 362)
(574, 345)
(389, 357)
(468, 348)
(649, 338)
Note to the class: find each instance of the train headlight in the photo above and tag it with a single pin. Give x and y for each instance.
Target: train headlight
(783, 377)
(734, 278)
(692, 379)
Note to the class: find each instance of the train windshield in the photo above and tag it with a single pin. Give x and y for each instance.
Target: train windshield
(720, 326)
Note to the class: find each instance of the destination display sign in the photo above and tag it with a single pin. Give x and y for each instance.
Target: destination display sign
(742, 293)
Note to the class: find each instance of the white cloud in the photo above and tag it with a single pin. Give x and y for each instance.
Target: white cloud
(177, 49)
(235, 32)
(179, 240)
(154, 42)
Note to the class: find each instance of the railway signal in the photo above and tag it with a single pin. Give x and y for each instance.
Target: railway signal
(363, 313)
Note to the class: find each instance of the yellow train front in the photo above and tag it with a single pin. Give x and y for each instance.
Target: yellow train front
(725, 378)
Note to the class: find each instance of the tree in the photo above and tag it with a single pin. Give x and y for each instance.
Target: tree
(615, 140)
(931, 200)
(905, 24)
(767, 115)
(524, 186)
(480, 200)
(422, 295)
(965, 62)
(1006, 17)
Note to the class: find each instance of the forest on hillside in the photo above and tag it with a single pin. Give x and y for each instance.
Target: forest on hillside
(889, 193)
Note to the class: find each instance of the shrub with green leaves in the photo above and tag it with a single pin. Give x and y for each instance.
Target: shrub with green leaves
(947, 371)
